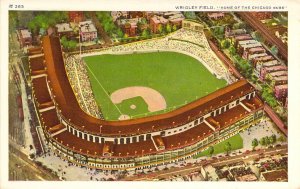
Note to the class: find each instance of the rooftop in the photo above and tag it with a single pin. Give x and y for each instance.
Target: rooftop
(275, 68)
(159, 20)
(25, 33)
(277, 175)
(87, 26)
(281, 87)
(243, 37)
(279, 73)
(280, 78)
(64, 27)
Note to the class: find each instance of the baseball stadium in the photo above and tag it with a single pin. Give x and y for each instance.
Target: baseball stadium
(137, 105)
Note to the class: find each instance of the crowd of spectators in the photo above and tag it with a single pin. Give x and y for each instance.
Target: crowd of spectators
(184, 41)
(78, 77)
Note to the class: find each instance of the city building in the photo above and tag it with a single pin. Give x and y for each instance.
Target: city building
(231, 33)
(174, 17)
(156, 22)
(64, 29)
(129, 26)
(262, 15)
(76, 16)
(215, 15)
(119, 15)
(268, 69)
(252, 51)
(160, 19)
(242, 37)
(281, 92)
(192, 25)
(24, 37)
(275, 175)
(247, 44)
(88, 31)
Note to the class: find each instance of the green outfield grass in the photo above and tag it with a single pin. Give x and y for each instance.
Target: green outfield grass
(236, 143)
(177, 77)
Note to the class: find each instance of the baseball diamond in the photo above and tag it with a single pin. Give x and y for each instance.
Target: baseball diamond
(177, 78)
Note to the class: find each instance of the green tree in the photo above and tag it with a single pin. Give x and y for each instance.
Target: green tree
(225, 43)
(258, 36)
(240, 25)
(72, 45)
(211, 150)
(227, 147)
(268, 142)
(68, 45)
(254, 143)
(262, 141)
(168, 28)
(145, 33)
(281, 138)
(143, 21)
(232, 50)
(159, 29)
(273, 139)
(190, 15)
(274, 50)
(120, 33)
(174, 27)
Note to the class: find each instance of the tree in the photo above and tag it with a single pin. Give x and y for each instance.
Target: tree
(211, 150)
(232, 50)
(72, 44)
(258, 36)
(174, 27)
(254, 143)
(120, 33)
(273, 139)
(268, 142)
(125, 36)
(274, 50)
(227, 147)
(281, 138)
(143, 21)
(168, 28)
(160, 29)
(225, 43)
(240, 25)
(262, 141)
(190, 15)
(145, 33)
(69, 45)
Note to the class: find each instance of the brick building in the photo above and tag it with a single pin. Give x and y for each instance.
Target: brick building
(76, 16)
(24, 37)
(88, 31)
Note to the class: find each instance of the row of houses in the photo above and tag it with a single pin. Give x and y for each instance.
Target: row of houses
(266, 66)
(128, 21)
(272, 168)
(85, 29)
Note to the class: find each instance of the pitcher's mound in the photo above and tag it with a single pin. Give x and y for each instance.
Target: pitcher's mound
(124, 117)
(133, 106)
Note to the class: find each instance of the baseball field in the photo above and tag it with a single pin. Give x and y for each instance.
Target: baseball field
(142, 84)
